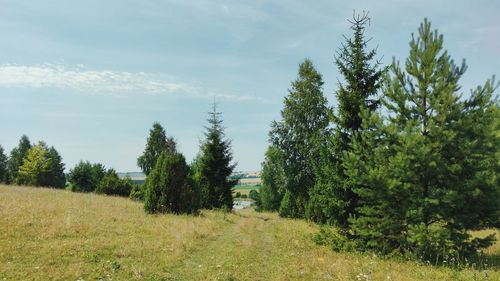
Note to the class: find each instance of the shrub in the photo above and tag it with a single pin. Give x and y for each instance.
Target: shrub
(169, 188)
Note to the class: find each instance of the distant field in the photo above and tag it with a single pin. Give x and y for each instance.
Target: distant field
(48, 234)
(245, 189)
(250, 181)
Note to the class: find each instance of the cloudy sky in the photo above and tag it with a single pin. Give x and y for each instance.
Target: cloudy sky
(90, 77)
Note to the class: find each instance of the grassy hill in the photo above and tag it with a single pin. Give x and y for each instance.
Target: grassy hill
(58, 235)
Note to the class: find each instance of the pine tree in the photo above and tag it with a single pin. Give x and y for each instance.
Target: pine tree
(3, 166)
(16, 158)
(428, 176)
(157, 143)
(85, 177)
(305, 118)
(214, 165)
(334, 200)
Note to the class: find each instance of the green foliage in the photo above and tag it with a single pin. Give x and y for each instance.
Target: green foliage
(237, 195)
(213, 166)
(16, 158)
(111, 184)
(35, 166)
(272, 179)
(157, 143)
(137, 192)
(297, 136)
(429, 174)
(169, 188)
(254, 195)
(3, 166)
(85, 177)
(55, 175)
(332, 199)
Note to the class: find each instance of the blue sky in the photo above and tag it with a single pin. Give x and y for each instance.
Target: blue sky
(90, 77)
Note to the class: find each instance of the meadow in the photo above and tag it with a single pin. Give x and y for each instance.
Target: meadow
(48, 234)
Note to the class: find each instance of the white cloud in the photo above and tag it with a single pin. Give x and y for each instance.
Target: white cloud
(82, 80)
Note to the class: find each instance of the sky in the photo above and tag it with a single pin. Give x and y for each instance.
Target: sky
(90, 77)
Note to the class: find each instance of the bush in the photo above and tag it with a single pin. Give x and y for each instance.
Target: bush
(137, 192)
(111, 184)
(85, 177)
(169, 188)
(237, 195)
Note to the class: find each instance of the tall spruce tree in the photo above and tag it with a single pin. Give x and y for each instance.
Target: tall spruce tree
(333, 199)
(305, 118)
(214, 165)
(16, 158)
(430, 175)
(3, 166)
(157, 143)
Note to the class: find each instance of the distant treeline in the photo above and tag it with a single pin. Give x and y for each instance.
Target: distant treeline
(171, 184)
(402, 165)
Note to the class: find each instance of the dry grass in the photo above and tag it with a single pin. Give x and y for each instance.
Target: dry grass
(57, 235)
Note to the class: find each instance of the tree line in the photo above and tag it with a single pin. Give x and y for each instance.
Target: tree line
(403, 165)
(171, 184)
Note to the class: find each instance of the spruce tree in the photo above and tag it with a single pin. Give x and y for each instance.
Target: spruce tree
(157, 143)
(214, 165)
(16, 158)
(334, 200)
(305, 118)
(3, 166)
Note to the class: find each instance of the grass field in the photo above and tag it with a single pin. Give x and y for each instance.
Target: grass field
(245, 189)
(58, 235)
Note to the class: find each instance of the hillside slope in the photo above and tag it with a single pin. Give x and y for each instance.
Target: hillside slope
(58, 235)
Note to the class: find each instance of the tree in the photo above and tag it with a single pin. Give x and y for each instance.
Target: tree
(111, 184)
(305, 118)
(272, 180)
(433, 175)
(169, 188)
(16, 158)
(35, 166)
(55, 175)
(85, 177)
(214, 165)
(157, 142)
(333, 199)
(3, 166)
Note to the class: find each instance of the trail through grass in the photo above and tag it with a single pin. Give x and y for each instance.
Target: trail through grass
(58, 235)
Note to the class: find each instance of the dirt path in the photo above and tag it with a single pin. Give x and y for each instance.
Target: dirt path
(243, 248)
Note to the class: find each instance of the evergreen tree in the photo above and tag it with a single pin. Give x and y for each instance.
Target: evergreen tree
(16, 158)
(272, 180)
(55, 175)
(430, 175)
(3, 166)
(214, 165)
(168, 187)
(35, 166)
(333, 198)
(157, 142)
(305, 119)
(85, 177)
